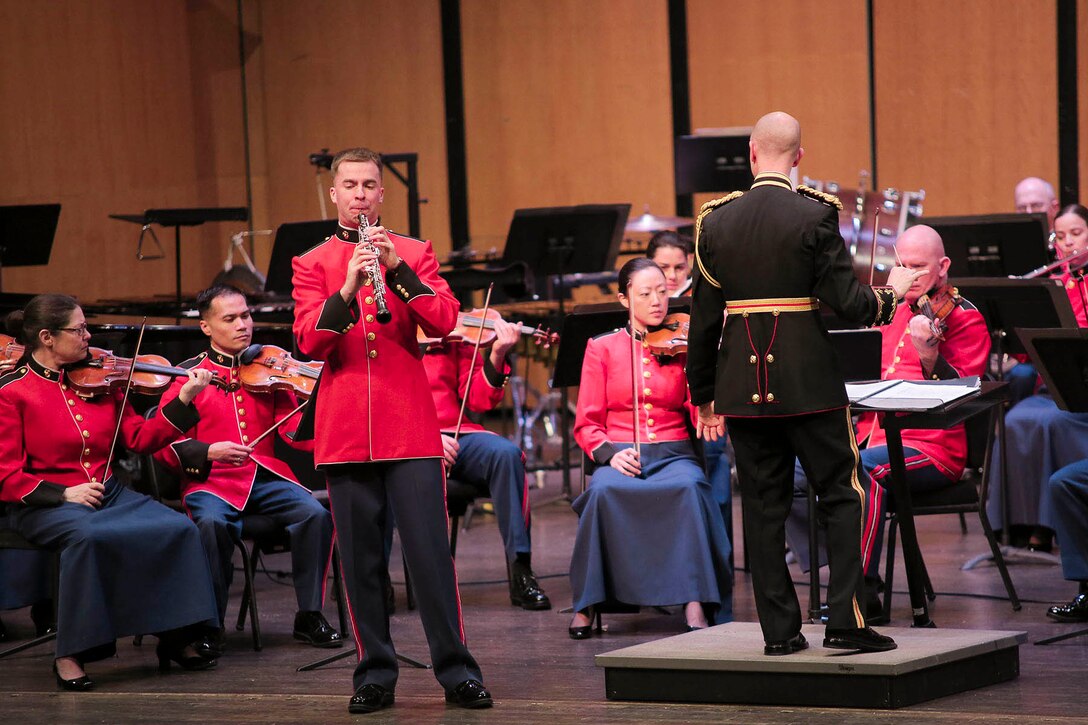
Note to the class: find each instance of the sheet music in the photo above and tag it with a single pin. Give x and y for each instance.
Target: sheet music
(911, 395)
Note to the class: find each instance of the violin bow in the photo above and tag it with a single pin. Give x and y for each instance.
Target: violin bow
(634, 378)
(124, 399)
(278, 423)
(472, 363)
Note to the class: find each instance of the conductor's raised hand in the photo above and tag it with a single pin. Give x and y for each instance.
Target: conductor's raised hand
(626, 462)
(709, 426)
(901, 278)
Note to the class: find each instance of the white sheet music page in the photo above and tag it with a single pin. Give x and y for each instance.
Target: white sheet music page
(911, 395)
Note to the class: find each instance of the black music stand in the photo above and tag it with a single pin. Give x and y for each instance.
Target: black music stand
(179, 218)
(560, 240)
(993, 245)
(1061, 356)
(1011, 304)
(26, 235)
(292, 239)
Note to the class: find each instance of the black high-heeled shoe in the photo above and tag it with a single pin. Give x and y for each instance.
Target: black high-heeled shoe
(582, 632)
(193, 663)
(78, 684)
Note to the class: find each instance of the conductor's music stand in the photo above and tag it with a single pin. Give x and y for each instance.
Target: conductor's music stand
(993, 245)
(554, 241)
(26, 235)
(179, 218)
(1061, 356)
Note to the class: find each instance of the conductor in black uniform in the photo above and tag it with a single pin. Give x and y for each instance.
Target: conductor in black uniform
(764, 260)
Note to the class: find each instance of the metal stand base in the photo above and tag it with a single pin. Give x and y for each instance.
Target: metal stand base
(1014, 555)
(348, 653)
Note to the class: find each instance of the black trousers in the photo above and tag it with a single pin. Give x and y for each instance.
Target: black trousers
(360, 495)
(765, 450)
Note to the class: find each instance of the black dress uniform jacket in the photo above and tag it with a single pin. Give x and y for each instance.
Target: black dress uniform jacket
(780, 247)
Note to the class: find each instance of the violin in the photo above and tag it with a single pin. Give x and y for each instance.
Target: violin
(103, 372)
(937, 305)
(671, 336)
(266, 368)
(10, 353)
(473, 325)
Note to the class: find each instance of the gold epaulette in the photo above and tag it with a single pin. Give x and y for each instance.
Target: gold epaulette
(703, 211)
(821, 196)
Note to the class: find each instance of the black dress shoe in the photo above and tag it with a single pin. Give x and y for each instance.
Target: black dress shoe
(168, 653)
(864, 639)
(78, 684)
(1075, 611)
(470, 694)
(582, 632)
(791, 645)
(525, 592)
(211, 646)
(311, 627)
(370, 698)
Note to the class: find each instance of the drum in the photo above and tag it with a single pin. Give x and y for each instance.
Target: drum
(870, 222)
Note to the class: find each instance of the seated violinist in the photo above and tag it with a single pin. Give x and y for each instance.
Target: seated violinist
(129, 565)
(1041, 437)
(953, 344)
(674, 254)
(481, 458)
(649, 531)
(226, 474)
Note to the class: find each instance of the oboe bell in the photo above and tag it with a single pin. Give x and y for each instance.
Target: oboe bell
(374, 272)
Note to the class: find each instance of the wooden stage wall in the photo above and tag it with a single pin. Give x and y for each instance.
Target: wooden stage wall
(123, 105)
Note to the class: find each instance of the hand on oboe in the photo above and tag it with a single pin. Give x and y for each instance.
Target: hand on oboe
(387, 253)
(362, 257)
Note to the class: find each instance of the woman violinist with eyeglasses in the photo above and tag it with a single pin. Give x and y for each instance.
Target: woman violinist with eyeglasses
(128, 564)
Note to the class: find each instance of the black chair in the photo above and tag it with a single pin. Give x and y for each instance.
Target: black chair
(12, 539)
(968, 495)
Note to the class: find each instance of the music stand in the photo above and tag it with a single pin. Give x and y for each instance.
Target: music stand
(179, 218)
(1061, 356)
(292, 239)
(993, 245)
(1011, 304)
(26, 235)
(559, 240)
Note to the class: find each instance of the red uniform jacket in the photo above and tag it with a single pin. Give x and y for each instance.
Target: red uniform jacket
(604, 414)
(373, 401)
(447, 370)
(51, 438)
(238, 416)
(1077, 289)
(963, 353)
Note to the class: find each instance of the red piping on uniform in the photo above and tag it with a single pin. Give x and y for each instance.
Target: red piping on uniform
(751, 344)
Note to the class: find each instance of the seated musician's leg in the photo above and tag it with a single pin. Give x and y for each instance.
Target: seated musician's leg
(493, 462)
(1068, 489)
(220, 527)
(309, 527)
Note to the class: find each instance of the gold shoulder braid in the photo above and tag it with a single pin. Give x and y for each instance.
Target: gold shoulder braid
(821, 196)
(703, 211)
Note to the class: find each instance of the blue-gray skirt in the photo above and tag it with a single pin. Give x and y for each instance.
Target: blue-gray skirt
(132, 566)
(656, 540)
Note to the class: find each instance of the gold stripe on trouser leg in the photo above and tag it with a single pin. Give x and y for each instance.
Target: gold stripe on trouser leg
(856, 485)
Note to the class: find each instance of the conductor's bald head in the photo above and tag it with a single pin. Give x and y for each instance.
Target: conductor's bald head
(776, 143)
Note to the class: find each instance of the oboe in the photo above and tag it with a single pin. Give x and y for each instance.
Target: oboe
(374, 272)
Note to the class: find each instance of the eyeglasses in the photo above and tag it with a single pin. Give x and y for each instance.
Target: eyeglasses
(81, 330)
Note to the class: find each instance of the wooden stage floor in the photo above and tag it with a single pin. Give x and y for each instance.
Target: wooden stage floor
(536, 673)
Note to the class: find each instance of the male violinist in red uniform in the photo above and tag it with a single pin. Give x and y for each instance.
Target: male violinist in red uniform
(225, 476)
(912, 350)
(478, 456)
(376, 431)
